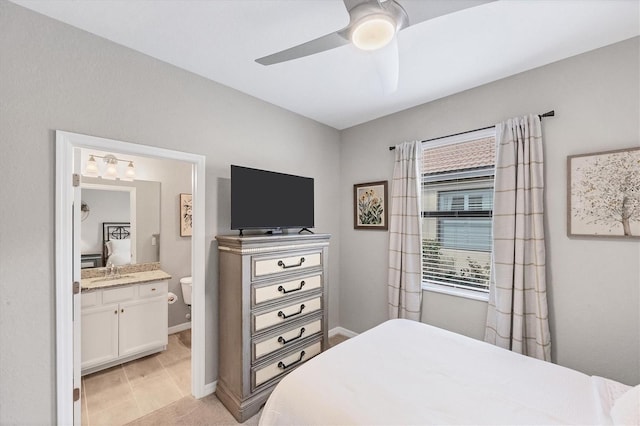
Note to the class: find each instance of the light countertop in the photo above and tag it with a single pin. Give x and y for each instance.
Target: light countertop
(88, 284)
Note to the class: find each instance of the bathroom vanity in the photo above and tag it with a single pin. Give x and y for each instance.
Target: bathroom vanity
(123, 318)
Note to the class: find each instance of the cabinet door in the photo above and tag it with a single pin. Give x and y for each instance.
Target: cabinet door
(143, 325)
(99, 335)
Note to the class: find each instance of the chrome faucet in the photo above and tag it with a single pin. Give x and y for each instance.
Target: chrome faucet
(108, 271)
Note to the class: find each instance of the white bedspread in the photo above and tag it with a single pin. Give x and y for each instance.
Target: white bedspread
(408, 373)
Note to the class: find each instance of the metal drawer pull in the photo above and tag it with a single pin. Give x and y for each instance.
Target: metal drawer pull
(284, 366)
(285, 341)
(283, 266)
(285, 316)
(284, 291)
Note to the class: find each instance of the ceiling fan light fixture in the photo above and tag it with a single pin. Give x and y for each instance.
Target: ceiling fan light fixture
(373, 32)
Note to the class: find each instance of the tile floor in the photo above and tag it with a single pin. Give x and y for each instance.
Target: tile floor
(129, 391)
(336, 339)
(189, 411)
(155, 390)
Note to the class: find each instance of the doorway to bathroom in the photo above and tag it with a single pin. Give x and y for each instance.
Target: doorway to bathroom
(134, 224)
(69, 213)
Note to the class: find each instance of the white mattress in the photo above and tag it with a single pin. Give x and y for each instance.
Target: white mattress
(404, 372)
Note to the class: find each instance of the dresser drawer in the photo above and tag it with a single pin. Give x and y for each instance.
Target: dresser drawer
(286, 338)
(270, 292)
(262, 374)
(263, 267)
(153, 288)
(286, 313)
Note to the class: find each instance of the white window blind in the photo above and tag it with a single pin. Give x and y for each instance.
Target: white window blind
(457, 197)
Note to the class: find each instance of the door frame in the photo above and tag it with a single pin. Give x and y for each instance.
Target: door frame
(67, 269)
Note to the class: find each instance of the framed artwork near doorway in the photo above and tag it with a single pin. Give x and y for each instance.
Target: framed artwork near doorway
(186, 218)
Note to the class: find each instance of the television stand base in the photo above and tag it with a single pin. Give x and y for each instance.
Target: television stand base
(305, 229)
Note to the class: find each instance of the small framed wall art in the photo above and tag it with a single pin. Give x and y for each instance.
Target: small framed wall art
(604, 194)
(186, 222)
(370, 206)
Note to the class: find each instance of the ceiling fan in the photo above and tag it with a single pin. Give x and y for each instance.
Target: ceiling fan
(373, 24)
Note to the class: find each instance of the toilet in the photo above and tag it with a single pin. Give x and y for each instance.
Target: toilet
(187, 285)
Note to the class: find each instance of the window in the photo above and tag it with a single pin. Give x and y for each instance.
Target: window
(457, 207)
(464, 230)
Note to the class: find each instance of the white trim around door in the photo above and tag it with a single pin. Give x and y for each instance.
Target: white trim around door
(67, 269)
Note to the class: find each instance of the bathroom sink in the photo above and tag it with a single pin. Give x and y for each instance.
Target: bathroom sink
(112, 278)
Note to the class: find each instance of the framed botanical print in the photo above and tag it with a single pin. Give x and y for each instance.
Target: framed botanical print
(370, 206)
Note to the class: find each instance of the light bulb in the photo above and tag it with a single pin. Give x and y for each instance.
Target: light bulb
(130, 172)
(92, 167)
(373, 32)
(111, 171)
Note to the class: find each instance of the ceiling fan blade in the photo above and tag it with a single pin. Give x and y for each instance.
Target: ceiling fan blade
(417, 12)
(387, 63)
(320, 44)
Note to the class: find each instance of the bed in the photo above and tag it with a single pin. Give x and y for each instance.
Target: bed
(116, 243)
(404, 372)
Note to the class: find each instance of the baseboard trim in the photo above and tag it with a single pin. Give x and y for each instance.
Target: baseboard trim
(180, 327)
(210, 388)
(342, 331)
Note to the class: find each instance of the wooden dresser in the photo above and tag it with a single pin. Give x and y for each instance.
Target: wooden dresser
(272, 313)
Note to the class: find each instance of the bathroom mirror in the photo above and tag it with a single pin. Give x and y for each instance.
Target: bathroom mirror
(134, 204)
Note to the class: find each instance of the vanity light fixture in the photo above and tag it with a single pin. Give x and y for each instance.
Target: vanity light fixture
(111, 168)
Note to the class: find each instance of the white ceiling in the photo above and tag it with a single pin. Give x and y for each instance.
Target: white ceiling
(220, 39)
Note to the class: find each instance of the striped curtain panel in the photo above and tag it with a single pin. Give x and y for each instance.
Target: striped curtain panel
(405, 233)
(517, 317)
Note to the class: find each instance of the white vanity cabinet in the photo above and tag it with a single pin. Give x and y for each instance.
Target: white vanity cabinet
(123, 323)
(99, 335)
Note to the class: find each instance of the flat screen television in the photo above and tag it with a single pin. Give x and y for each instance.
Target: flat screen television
(261, 199)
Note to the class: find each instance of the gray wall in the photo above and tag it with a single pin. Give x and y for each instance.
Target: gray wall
(593, 284)
(175, 251)
(147, 220)
(53, 76)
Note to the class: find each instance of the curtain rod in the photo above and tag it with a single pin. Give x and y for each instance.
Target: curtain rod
(551, 113)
